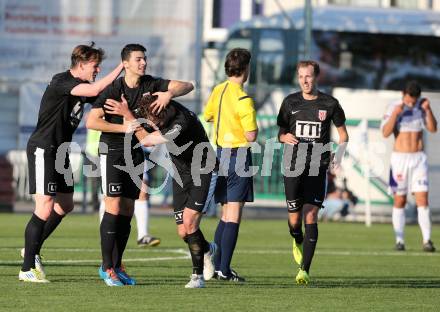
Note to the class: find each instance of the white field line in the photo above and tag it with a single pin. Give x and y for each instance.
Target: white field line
(184, 255)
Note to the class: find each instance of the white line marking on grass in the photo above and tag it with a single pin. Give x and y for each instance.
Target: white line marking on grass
(143, 250)
(185, 254)
(180, 251)
(344, 253)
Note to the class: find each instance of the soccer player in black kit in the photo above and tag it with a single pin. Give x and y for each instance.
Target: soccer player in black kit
(193, 162)
(304, 120)
(50, 174)
(119, 187)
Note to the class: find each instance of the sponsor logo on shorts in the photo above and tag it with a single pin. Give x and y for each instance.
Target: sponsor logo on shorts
(199, 204)
(51, 187)
(293, 205)
(115, 188)
(178, 215)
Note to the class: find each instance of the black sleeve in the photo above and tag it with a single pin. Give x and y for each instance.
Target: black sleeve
(176, 127)
(283, 118)
(107, 93)
(65, 86)
(283, 115)
(172, 131)
(91, 99)
(157, 84)
(338, 115)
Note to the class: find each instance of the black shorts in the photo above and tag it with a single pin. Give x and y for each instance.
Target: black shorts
(189, 195)
(121, 178)
(48, 175)
(305, 189)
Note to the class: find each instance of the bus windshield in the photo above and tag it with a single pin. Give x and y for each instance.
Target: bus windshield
(376, 61)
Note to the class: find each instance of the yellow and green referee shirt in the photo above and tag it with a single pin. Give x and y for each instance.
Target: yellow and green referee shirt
(233, 114)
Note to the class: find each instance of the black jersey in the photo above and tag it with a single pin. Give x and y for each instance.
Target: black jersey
(60, 112)
(309, 120)
(189, 129)
(114, 91)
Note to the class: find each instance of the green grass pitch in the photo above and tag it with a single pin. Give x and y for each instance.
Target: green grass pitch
(354, 269)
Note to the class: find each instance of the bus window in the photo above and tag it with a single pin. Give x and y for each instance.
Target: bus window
(376, 61)
(239, 39)
(270, 56)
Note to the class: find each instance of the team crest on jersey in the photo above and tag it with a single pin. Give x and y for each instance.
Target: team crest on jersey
(322, 114)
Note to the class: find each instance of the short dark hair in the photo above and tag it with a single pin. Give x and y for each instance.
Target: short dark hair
(145, 110)
(126, 51)
(412, 88)
(86, 53)
(237, 61)
(306, 63)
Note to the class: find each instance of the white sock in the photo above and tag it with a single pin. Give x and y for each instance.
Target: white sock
(424, 222)
(141, 213)
(399, 223)
(101, 210)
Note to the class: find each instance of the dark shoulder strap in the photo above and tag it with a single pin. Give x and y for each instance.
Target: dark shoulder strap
(219, 111)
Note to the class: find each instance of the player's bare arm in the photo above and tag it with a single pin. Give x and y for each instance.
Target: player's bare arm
(389, 126)
(342, 144)
(145, 138)
(288, 138)
(343, 134)
(251, 136)
(176, 88)
(93, 89)
(96, 121)
(430, 121)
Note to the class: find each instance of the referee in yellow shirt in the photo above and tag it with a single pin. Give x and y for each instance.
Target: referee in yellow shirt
(235, 125)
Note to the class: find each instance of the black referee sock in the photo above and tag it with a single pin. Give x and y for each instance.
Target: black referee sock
(296, 233)
(195, 245)
(51, 224)
(108, 230)
(229, 241)
(122, 235)
(310, 240)
(218, 240)
(32, 239)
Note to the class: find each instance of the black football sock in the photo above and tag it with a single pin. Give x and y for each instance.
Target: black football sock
(310, 240)
(108, 230)
(195, 245)
(32, 239)
(51, 224)
(296, 233)
(123, 233)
